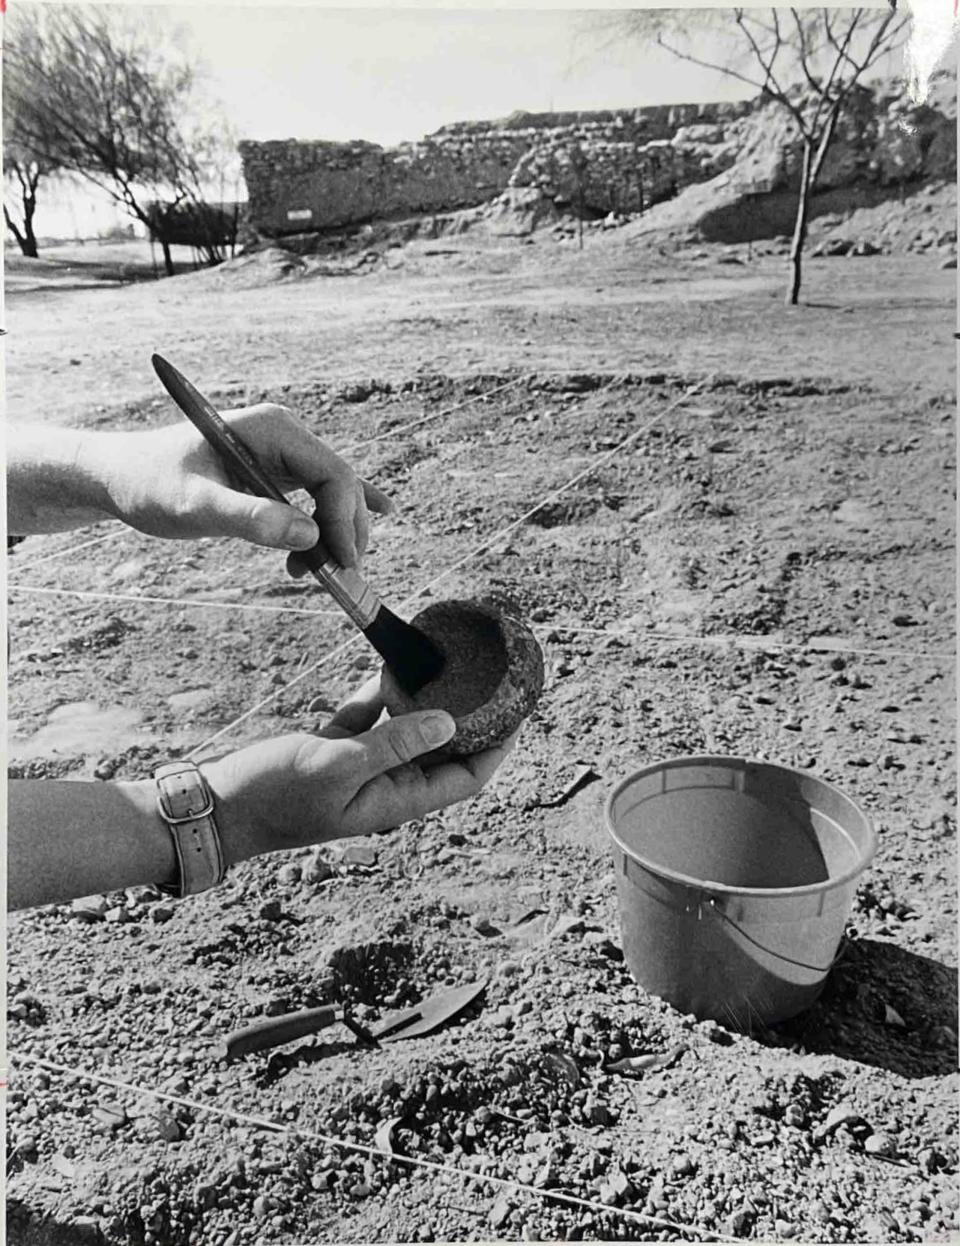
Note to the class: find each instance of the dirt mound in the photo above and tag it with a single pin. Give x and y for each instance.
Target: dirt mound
(258, 268)
(884, 143)
(519, 211)
(925, 221)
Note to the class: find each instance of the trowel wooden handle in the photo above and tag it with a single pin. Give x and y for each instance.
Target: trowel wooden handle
(272, 1031)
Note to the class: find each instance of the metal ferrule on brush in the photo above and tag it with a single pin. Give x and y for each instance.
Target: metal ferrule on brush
(350, 591)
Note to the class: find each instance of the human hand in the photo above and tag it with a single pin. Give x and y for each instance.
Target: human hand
(357, 776)
(169, 482)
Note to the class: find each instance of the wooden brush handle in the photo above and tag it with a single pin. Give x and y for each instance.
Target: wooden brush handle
(348, 589)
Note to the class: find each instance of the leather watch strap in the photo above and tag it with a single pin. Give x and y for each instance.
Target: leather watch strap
(185, 803)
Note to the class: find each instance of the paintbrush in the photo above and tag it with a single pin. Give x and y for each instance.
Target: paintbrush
(412, 657)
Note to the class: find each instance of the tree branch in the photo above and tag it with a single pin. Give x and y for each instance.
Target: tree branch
(803, 53)
(825, 140)
(770, 85)
(720, 69)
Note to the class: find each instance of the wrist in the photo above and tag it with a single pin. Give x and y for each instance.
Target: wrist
(56, 480)
(100, 464)
(238, 834)
(154, 832)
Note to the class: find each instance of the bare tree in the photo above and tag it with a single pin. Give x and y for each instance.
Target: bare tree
(113, 109)
(806, 60)
(28, 158)
(24, 169)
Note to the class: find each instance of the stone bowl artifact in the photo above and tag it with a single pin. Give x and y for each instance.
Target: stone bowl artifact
(491, 680)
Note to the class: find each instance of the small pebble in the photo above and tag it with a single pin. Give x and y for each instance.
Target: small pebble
(500, 1212)
(88, 908)
(597, 1113)
(880, 1144)
(841, 1114)
(682, 1166)
(359, 854)
(740, 1222)
(317, 870)
(166, 1127)
(109, 1114)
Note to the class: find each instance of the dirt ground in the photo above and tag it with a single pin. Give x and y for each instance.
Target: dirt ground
(765, 571)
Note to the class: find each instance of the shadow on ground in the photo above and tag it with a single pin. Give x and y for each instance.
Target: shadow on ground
(886, 1007)
(26, 1228)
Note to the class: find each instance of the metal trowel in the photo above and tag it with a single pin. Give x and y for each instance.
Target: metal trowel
(423, 1018)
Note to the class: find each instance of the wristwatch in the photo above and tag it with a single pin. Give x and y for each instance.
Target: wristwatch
(185, 803)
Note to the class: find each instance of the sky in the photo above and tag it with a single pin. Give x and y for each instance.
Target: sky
(393, 74)
(387, 75)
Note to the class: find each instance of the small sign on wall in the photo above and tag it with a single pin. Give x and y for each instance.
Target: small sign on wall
(299, 214)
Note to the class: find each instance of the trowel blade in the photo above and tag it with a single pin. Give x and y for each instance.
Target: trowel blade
(428, 1015)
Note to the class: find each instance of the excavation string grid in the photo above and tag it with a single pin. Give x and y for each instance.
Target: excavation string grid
(436, 415)
(737, 640)
(481, 548)
(72, 549)
(350, 449)
(651, 635)
(197, 602)
(483, 1180)
(412, 1161)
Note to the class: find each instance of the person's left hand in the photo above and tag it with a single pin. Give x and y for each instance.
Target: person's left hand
(356, 776)
(169, 482)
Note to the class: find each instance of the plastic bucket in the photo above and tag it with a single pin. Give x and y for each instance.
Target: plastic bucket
(735, 880)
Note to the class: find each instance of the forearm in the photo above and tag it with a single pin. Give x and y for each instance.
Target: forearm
(55, 479)
(67, 839)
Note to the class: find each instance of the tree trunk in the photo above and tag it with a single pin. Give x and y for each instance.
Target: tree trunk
(800, 227)
(30, 236)
(167, 257)
(26, 239)
(812, 164)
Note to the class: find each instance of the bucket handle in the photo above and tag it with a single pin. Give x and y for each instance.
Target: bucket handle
(713, 907)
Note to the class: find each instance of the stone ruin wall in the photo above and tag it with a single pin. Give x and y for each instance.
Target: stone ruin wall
(620, 161)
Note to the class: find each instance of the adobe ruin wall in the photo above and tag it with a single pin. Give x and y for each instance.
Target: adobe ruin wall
(622, 161)
(615, 160)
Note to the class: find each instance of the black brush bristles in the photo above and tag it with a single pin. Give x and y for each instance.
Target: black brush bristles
(413, 658)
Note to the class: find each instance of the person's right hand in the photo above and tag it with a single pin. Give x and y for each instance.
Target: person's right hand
(168, 482)
(357, 777)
